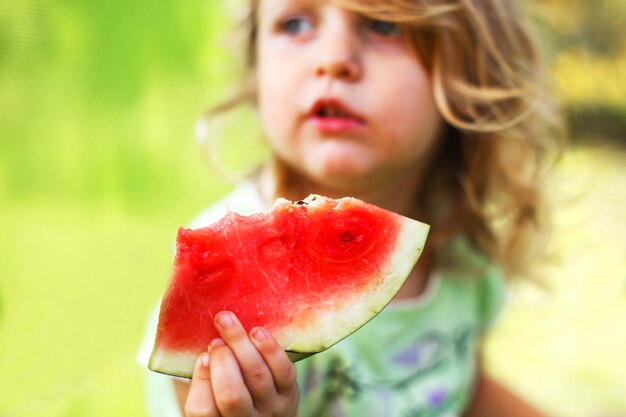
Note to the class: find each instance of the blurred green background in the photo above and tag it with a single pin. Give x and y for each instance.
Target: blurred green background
(98, 168)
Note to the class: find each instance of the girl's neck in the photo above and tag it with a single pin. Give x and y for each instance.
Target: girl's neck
(397, 194)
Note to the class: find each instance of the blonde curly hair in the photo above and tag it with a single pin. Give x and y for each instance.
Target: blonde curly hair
(504, 130)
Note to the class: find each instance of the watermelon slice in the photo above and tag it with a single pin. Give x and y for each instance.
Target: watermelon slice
(311, 272)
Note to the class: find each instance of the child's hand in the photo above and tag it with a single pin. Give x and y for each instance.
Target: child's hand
(242, 375)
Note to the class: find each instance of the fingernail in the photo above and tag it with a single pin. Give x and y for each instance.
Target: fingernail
(259, 334)
(204, 359)
(225, 319)
(217, 342)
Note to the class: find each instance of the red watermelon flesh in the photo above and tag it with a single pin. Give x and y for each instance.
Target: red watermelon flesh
(310, 272)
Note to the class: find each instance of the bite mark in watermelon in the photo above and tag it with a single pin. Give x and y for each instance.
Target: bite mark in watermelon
(311, 272)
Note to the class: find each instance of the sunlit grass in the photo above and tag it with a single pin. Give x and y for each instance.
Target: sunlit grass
(77, 283)
(564, 348)
(75, 288)
(97, 170)
(585, 79)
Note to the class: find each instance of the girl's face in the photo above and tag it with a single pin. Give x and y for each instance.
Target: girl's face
(343, 98)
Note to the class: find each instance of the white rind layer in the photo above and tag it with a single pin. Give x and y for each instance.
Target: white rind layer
(343, 317)
(335, 319)
(172, 363)
(181, 363)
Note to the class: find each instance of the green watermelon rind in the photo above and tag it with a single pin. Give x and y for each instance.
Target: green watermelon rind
(333, 325)
(330, 325)
(172, 363)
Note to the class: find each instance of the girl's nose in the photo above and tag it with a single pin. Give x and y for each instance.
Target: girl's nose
(344, 68)
(339, 54)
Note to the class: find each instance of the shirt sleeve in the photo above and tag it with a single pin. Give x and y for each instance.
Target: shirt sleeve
(493, 296)
(147, 343)
(161, 398)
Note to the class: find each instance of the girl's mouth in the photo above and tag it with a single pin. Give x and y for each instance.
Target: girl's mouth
(330, 115)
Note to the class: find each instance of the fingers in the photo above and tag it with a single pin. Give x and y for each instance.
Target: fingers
(246, 372)
(200, 400)
(255, 372)
(232, 397)
(283, 371)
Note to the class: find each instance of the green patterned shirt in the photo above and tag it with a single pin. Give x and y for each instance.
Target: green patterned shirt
(417, 358)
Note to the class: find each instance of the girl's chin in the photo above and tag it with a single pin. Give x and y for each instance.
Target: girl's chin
(339, 159)
(342, 178)
(338, 166)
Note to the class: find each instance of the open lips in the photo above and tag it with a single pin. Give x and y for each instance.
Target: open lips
(331, 116)
(333, 108)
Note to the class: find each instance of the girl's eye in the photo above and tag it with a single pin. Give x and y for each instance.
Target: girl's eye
(296, 25)
(384, 28)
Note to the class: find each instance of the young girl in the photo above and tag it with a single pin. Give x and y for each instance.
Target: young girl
(433, 109)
